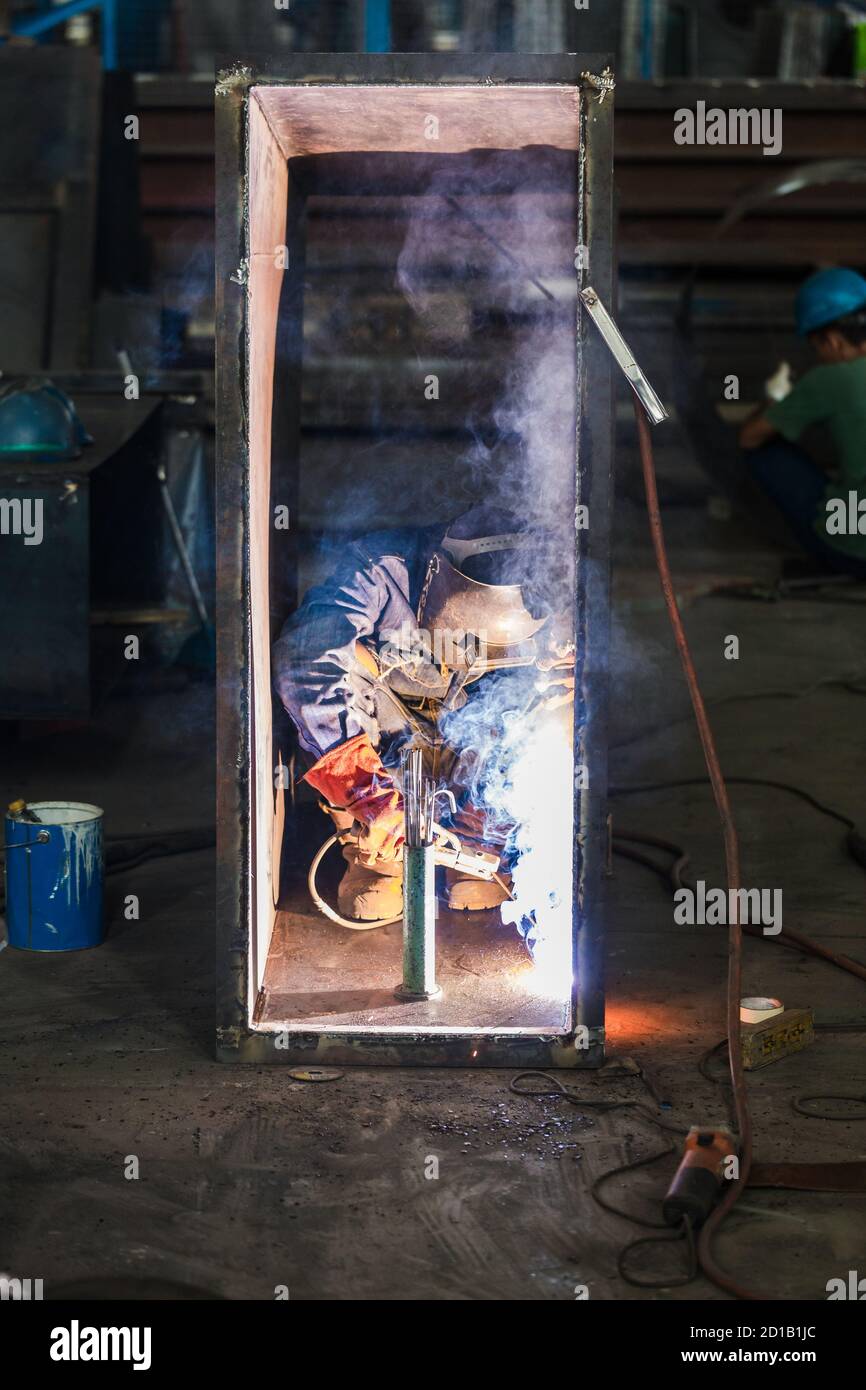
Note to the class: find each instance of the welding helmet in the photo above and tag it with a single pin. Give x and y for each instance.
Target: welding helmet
(481, 582)
(827, 296)
(38, 423)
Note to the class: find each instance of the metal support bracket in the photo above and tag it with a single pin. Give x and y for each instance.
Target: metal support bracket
(602, 84)
(624, 356)
(233, 79)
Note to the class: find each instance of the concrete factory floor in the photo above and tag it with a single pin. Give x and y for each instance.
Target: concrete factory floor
(334, 979)
(248, 1179)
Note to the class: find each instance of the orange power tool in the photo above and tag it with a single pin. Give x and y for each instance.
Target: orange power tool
(696, 1184)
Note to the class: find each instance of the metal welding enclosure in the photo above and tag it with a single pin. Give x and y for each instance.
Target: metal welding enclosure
(322, 127)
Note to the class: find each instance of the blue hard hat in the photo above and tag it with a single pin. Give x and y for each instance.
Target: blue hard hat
(827, 296)
(38, 423)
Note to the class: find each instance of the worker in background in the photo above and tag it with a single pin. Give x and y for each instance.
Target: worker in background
(828, 515)
(394, 646)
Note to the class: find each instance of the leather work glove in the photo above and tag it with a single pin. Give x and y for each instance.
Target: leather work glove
(556, 663)
(352, 777)
(556, 691)
(381, 840)
(557, 643)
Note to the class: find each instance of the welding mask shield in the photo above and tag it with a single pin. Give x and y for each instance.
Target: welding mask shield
(493, 583)
(462, 614)
(474, 603)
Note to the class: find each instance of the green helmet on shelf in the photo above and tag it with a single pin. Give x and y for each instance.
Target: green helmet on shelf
(38, 423)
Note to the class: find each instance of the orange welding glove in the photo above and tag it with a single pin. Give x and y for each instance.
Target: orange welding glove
(351, 777)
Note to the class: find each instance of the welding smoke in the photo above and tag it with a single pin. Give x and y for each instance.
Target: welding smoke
(510, 233)
(500, 220)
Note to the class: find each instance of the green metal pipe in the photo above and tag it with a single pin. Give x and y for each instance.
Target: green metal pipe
(419, 924)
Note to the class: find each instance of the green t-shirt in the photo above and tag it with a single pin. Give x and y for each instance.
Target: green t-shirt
(834, 395)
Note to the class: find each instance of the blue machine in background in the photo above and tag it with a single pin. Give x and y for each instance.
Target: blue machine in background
(34, 26)
(131, 31)
(377, 26)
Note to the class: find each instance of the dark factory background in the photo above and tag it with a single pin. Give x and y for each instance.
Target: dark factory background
(107, 638)
(108, 265)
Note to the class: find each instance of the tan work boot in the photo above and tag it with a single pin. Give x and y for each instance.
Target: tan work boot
(367, 894)
(472, 894)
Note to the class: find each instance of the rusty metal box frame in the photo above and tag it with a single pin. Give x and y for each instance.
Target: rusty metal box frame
(237, 1037)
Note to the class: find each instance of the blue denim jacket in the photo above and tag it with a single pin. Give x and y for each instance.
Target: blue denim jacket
(374, 589)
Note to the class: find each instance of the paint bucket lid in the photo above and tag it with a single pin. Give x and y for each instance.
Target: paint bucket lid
(64, 812)
(758, 1007)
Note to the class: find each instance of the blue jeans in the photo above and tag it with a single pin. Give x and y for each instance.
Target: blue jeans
(797, 486)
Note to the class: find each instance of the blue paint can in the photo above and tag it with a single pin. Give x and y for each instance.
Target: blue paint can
(54, 875)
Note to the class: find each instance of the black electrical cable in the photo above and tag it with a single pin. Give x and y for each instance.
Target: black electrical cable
(832, 682)
(788, 937)
(706, 1060)
(800, 1102)
(557, 1089)
(123, 852)
(673, 1281)
(622, 842)
(641, 838)
(625, 851)
(674, 877)
(744, 781)
(607, 1205)
(560, 1091)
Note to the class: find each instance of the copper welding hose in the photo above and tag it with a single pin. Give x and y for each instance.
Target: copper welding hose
(732, 861)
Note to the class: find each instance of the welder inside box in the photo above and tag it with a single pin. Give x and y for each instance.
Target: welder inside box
(416, 307)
